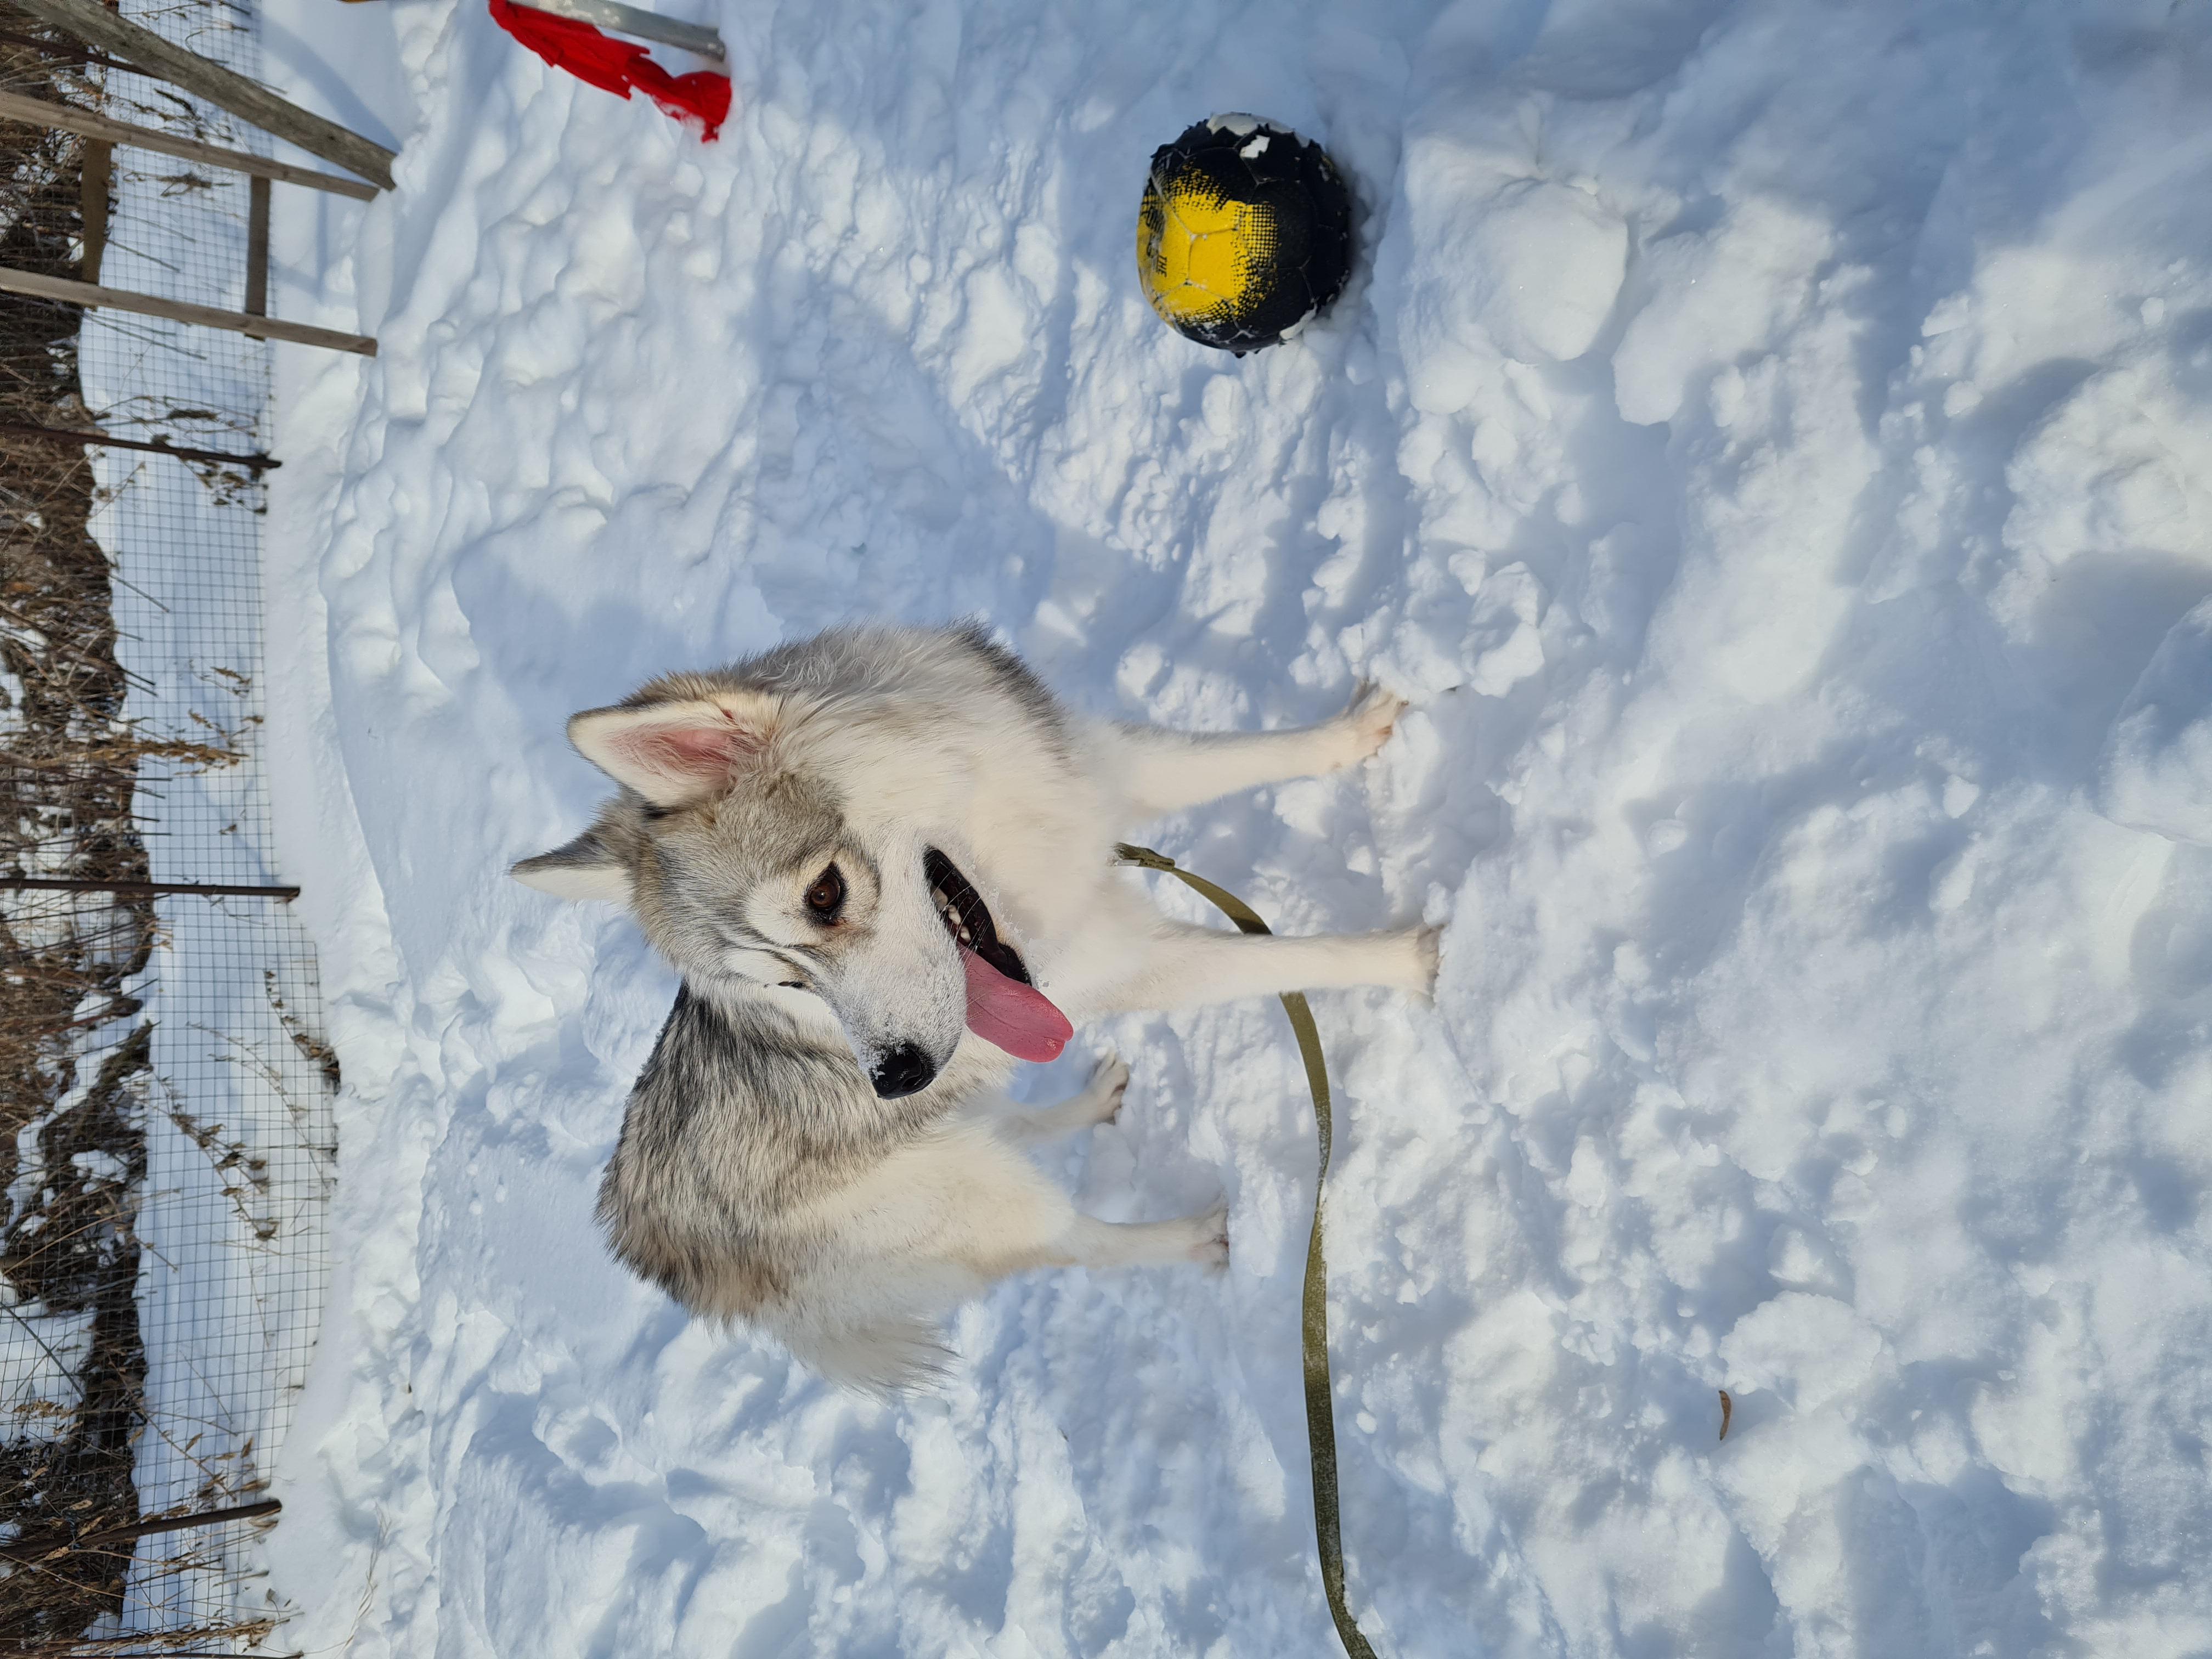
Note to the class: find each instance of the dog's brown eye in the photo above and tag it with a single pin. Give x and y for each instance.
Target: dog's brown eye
(827, 896)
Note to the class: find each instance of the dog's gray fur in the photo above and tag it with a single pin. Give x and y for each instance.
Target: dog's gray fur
(759, 1176)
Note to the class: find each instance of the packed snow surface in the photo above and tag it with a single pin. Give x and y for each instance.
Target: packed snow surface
(1769, 443)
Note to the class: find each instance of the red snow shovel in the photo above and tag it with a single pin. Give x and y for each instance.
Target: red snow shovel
(563, 32)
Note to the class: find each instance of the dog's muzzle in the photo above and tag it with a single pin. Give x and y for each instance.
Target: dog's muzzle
(905, 1070)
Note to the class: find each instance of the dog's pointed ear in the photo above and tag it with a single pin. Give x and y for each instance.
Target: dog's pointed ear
(675, 753)
(587, 868)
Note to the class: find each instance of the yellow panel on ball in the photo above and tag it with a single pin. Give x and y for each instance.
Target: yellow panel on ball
(1200, 252)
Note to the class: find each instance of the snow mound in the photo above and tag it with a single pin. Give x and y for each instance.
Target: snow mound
(1503, 264)
(2155, 773)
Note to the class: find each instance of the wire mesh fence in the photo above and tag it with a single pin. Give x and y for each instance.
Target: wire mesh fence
(166, 1136)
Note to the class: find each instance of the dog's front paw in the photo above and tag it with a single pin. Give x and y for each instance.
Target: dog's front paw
(1209, 1245)
(1109, 1085)
(1415, 970)
(1370, 721)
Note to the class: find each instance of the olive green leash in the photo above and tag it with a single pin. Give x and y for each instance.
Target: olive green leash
(1321, 1421)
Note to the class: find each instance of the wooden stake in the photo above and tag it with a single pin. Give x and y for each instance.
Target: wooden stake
(144, 889)
(54, 435)
(92, 193)
(67, 117)
(31, 1549)
(179, 311)
(257, 247)
(93, 23)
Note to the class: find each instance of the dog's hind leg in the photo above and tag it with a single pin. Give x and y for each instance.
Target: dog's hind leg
(941, 1219)
(1084, 1241)
(1099, 1103)
(1202, 1239)
(1163, 771)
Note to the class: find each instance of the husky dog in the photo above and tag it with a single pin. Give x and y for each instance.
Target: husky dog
(881, 861)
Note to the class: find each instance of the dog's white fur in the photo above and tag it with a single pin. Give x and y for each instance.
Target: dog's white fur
(738, 789)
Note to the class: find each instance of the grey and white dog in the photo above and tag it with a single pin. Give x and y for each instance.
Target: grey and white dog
(880, 860)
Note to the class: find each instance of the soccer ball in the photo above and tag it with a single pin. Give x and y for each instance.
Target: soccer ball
(1245, 234)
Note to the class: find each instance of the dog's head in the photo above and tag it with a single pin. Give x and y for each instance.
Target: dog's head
(733, 845)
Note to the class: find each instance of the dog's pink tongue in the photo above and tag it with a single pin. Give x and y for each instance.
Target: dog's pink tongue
(1013, 1015)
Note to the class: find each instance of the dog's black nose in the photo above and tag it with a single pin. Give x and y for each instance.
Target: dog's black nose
(902, 1071)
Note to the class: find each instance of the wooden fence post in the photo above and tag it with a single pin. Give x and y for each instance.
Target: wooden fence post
(93, 23)
(38, 111)
(178, 311)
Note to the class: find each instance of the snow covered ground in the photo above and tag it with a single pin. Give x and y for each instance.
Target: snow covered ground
(1769, 442)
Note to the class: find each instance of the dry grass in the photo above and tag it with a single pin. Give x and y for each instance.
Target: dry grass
(76, 1252)
(74, 1054)
(227, 1638)
(67, 776)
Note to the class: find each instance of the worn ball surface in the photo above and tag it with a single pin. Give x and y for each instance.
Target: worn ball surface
(1245, 234)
